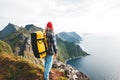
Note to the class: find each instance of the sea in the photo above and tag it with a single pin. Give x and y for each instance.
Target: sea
(103, 63)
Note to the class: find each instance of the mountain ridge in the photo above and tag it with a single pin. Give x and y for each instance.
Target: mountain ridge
(31, 28)
(67, 42)
(70, 37)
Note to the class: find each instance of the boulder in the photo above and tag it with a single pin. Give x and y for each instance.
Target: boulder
(70, 72)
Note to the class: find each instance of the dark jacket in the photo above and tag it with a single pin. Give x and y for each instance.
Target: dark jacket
(52, 47)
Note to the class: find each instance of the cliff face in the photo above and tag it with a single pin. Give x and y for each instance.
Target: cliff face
(68, 46)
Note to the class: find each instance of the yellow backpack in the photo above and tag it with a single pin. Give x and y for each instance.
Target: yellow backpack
(39, 44)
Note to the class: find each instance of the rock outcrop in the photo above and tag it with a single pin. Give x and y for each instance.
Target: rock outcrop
(70, 72)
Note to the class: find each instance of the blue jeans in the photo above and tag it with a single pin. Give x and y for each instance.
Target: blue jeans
(47, 66)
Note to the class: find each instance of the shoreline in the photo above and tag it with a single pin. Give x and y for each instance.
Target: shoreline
(75, 58)
(70, 72)
(75, 71)
(83, 75)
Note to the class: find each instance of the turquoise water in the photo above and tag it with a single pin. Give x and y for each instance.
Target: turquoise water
(104, 61)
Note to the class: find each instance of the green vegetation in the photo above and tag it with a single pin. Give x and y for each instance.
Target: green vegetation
(19, 68)
(4, 47)
(16, 39)
(68, 50)
(26, 67)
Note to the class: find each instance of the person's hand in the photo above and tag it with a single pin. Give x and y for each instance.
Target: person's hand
(55, 55)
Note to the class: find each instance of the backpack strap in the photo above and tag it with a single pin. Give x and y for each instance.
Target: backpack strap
(41, 52)
(40, 39)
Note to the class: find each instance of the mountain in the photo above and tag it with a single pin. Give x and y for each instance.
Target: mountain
(21, 68)
(19, 40)
(70, 37)
(31, 28)
(68, 46)
(68, 50)
(8, 30)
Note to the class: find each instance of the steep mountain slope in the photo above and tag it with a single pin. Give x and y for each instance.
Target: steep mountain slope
(16, 39)
(69, 50)
(18, 68)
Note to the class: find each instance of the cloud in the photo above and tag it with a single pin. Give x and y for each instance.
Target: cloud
(62, 7)
(78, 15)
(71, 7)
(24, 10)
(112, 4)
(43, 7)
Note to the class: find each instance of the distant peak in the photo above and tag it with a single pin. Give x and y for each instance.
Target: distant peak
(29, 25)
(70, 37)
(32, 27)
(10, 24)
(8, 29)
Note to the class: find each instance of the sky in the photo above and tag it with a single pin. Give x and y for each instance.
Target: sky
(82, 16)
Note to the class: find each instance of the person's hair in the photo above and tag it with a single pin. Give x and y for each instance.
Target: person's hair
(49, 29)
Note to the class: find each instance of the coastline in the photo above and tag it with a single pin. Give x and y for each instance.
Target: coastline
(70, 67)
(75, 58)
(70, 72)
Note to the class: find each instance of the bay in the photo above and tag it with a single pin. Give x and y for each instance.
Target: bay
(104, 61)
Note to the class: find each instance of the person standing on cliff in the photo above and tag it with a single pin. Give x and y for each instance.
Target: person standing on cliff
(52, 49)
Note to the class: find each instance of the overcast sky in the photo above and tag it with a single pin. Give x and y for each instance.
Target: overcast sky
(89, 16)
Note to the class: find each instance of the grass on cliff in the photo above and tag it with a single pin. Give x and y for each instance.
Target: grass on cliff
(17, 68)
(4, 47)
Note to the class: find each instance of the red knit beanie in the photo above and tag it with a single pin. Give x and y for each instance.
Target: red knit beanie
(49, 25)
